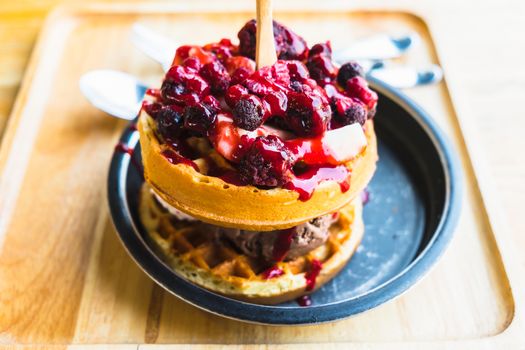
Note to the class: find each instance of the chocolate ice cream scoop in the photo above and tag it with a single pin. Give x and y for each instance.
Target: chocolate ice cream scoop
(304, 238)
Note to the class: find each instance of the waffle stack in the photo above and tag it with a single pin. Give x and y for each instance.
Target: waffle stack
(253, 176)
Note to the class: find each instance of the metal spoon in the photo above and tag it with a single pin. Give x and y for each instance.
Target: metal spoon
(378, 47)
(116, 93)
(403, 76)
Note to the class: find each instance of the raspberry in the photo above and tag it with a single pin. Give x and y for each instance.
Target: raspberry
(234, 94)
(307, 114)
(240, 75)
(199, 117)
(358, 87)
(297, 70)
(277, 103)
(169, 121)
(193, 63)
(260, 85)
(348, 71)
(183, 86)
(266, 163)
(248, 113)
(321, 69)
(217, 76)
(183, 52)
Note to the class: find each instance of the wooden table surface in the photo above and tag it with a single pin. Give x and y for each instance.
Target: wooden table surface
(481, 45)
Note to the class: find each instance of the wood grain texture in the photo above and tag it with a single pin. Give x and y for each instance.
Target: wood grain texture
(65, 278)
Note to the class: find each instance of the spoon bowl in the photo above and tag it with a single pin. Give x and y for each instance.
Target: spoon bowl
(117, 93)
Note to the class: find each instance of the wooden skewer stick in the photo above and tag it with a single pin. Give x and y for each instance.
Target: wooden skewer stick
(265, 50)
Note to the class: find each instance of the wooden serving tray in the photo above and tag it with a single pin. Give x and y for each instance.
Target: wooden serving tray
(65, 277)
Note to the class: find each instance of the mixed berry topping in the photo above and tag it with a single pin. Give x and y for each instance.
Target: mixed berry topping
(293, 124)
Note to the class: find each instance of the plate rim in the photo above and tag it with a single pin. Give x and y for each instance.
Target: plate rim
(217, 304)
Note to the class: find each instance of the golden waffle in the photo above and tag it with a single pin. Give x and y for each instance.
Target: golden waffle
(195, 254)
(217, 202)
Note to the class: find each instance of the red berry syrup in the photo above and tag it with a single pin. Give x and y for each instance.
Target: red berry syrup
(305, 183)
(311, 276)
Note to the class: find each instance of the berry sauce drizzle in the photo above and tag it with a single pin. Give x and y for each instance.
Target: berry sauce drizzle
(304, 300)
(305, 183)
(123, 148)
(311, 151)
(174, 158)
(282, 244)
(272, 272)
(311, 276)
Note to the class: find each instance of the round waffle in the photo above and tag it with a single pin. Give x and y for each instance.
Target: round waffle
(215, 201)
(190, 250)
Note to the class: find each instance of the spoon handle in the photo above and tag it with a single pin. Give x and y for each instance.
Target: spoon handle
(265, 49)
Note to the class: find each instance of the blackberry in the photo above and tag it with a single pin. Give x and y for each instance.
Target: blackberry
(267, 163)
(169, 122)
(355, 113)
(349, 70)
(199, 117)
(248, 113)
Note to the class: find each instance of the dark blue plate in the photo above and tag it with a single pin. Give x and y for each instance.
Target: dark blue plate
(413, 209)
